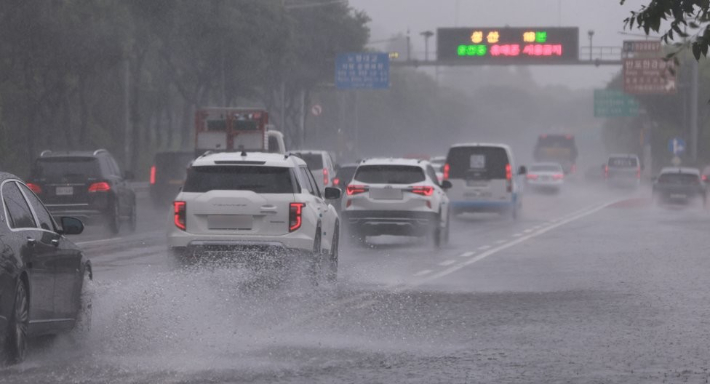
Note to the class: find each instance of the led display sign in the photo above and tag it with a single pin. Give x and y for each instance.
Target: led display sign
(508, 46)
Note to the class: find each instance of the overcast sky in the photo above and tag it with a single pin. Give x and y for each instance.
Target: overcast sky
(605, 17)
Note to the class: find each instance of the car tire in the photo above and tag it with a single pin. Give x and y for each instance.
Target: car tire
(18, 325)
(437, 232)
(85, 309)
(133, 219)
(315, 264)
(332, 270)
(447, 229)
(114, 219)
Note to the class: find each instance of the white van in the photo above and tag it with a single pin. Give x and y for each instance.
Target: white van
(484, 179)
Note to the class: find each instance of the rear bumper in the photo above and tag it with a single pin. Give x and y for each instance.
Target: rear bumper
(402, 223)
(83, 212)
(296, 242)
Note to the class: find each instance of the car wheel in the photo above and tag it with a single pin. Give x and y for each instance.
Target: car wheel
(437, 232)
(16, 339)
(332, 271)
(133, 219)
(114, 220)
(84, 310)
(447, 228)
(316, 258)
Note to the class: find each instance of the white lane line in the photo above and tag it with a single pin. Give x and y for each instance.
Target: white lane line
(501, 241)
(483, 248)
(467, 254)
(365, 304)
(447, 263)
(422, 273)
(513, 243)
(528, 230)
(517, 235)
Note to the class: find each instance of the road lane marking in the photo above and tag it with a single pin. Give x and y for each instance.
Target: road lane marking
(422, 273)
(136, 236)
(517, 235)
(513, 243)
(483, 248)
(447, 263)
(528, 230)
(501, 241)
(467, 254)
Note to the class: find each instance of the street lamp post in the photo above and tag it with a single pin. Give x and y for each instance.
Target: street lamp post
(591, 36)
(427, 35)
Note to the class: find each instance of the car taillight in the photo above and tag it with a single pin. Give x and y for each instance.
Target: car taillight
(34, 188)
(295, 216)
(606, 171)
(152, 175)
(100, 187)
(508, 172)
(325, 177)
(180, 214)
(638, 172)
(705, 178)
(573, 169)
(355, 189)
(532, 176)
(447, 168)
(558, 176)
(336, 181)
(424, 190)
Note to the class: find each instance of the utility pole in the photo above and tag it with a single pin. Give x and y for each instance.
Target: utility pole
(427, 35)
(591, 36)
(409, 50)
(693, 109)
(128, 164)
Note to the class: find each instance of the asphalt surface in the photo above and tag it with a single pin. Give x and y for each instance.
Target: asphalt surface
(588, 286)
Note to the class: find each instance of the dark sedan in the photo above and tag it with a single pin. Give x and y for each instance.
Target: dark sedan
(42, 273)
(678, 185)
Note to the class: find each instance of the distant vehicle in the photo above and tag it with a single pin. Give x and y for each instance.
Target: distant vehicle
(438, 163)
(235, 129)
(555, 148)
(623, 171)
(679, 185)
(545, 176)
(256, 206)
(86, 185)
(321, 165)
(706, 175)
(396, 197)
(484, 179)
(43, 275)
(344, 175)
(168, 174)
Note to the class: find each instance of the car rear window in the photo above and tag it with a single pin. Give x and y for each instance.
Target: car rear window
(172, 165)
(389, 174)
(477, 163)
(623, 162)
(345, 174)
(313, 160)
(258, 179)
(679, 179)
(545, 168)
(66, 168)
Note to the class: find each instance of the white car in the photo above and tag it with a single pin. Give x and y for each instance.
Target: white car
(268, 203)
(545, 176)
(321, 165)
(484, 179)
(396, 197)
(438, 163)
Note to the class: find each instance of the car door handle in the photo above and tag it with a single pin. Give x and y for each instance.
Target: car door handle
(31, 242)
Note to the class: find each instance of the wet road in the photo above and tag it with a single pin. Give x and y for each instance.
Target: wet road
(587, 286)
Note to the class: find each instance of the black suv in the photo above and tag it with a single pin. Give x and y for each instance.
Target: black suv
(86, 185)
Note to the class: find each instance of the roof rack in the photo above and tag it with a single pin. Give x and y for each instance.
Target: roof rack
(205, 154)
(96, 152)
(45, 153)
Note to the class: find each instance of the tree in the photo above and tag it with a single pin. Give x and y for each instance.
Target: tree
(684, 15)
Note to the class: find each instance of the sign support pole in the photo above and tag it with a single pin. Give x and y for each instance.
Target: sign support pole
(694, 109)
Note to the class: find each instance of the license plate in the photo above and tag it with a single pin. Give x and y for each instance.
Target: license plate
(240, 222)
(476, 183)
(478, 194)
(64, 191)
(679, 196)
(386, 194)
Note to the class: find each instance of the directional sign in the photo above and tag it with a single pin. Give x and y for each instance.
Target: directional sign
(642, 46)
(362, 71)
(508, 46)
(614, 103)
(676, 146)
(644, 76)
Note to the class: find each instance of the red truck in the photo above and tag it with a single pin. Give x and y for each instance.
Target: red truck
(235, 129)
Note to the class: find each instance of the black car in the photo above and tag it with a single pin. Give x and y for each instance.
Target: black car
(344, 175)
(679, 185)
(167, 175)
(86, 185)
(42, 273)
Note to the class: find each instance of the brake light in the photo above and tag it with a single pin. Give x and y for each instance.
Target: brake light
(336, 181)
(705, 177)
(295, 216)
(606, 171)
(424, 190)
(558, 176)
(180, 214)
(573, 169)
(355, 189)
(447, 168)
(532, 176)
(638, 172)
(325, 176)
(508, 172)
(99, 187)
(152, 175)
(568, 137)
(34, 188)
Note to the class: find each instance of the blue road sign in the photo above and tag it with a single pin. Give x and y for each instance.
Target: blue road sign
(676, 146)
(362, 71)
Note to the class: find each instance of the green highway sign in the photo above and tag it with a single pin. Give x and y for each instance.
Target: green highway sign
(613, 103)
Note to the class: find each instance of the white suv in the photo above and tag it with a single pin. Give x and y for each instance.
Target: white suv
(396, 197)
(268, 204)
(321, 165)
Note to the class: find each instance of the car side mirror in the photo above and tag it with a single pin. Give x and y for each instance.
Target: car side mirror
(522, 170)
(332, 193)
(71, 226)
(128, 175)
(446, 184)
